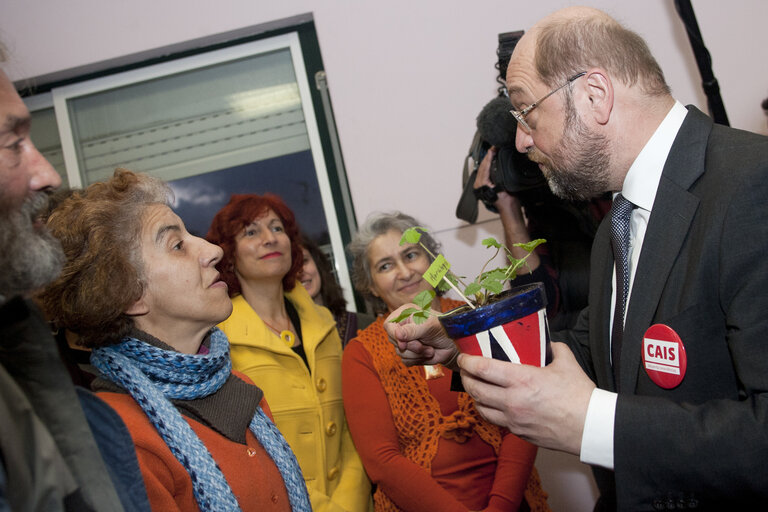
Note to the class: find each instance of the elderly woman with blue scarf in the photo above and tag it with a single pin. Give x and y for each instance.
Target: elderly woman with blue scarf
(145, 296)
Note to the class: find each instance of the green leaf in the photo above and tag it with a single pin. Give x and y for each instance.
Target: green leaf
(424, 299)
(493, 281)
(472, 288)
(495, 274)
(405, 314)
(411, 235)
(420, 317)
(530, 246)
(491, 242)
(487, 284)
(494, 286)
(443, 286)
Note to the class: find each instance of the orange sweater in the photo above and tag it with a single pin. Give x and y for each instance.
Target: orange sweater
(250, 472)
(452, 461)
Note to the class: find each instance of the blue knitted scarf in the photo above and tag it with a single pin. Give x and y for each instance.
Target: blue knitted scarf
(153, 376)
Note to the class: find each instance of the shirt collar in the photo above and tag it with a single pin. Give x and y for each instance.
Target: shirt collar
(643, 177)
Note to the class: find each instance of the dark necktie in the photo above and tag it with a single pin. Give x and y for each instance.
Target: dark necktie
(621, 211)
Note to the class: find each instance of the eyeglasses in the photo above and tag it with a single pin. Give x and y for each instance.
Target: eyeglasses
(521, 114)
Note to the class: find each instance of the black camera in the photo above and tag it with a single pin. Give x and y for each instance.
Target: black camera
(510, 171)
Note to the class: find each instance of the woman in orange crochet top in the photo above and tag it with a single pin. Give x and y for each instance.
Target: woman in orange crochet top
(424, 446)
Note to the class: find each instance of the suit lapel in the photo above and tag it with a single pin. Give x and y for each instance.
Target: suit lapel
(600, 305)
(673, 212)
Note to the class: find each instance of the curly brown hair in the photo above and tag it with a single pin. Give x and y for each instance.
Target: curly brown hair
(99, 230)
(241, 210)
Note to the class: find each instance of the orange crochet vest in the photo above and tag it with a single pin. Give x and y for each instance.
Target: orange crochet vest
(415, 412)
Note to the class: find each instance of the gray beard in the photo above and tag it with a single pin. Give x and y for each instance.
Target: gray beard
(30, 257)
(583, 162)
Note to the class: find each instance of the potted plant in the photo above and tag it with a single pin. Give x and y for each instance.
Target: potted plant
(508, 325)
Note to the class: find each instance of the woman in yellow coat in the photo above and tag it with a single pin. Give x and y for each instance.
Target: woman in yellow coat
(288, 346)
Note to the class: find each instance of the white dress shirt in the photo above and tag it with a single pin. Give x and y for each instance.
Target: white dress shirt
(639, 187)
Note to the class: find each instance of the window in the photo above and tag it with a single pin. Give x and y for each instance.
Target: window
(232, 118)
(45, 133)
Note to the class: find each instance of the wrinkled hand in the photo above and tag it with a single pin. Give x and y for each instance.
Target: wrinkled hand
(546, 406)
(421, 344)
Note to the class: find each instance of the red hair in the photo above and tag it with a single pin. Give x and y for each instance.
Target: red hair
(241, 210)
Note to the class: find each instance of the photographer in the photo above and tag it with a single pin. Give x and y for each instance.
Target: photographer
(513, 220)
(507, 183)
(510, 211)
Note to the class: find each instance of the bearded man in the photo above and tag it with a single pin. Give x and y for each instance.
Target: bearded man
(49, 456)
(662, 385)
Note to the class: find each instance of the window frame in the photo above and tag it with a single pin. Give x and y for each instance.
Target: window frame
(298, 35)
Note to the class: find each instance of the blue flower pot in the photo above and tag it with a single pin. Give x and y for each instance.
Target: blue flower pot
(512, 328)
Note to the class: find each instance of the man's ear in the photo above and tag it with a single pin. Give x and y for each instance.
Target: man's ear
(138, 308)
(599, 89)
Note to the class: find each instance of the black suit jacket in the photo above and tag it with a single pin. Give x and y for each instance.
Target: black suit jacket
(703, 270)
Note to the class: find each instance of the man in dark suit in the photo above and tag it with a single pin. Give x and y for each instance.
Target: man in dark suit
(674, 415)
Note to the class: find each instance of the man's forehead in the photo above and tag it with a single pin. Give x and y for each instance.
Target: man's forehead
(522, 81)
(521, 71)
(13, 111)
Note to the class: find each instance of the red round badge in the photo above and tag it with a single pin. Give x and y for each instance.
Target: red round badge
(664, 356)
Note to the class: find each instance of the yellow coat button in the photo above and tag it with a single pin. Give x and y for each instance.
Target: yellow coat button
(333, 473)
(330, 429)
(321, 384)
(251, 452)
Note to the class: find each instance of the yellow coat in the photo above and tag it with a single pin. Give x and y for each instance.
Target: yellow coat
(307, 407)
